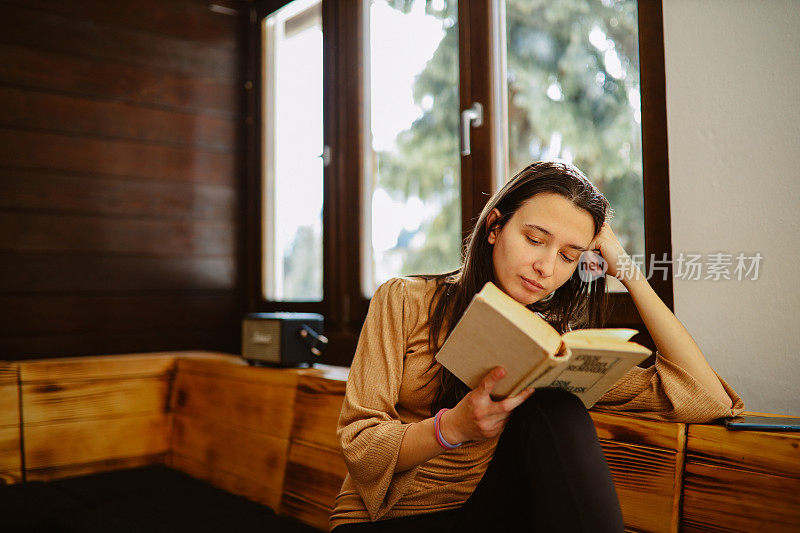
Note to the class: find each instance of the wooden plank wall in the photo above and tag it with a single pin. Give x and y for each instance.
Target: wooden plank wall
(10, 445)
(646, 460)
(315, 468)
(120, 176)
(232, 424)
(741, 480)
(87, 414)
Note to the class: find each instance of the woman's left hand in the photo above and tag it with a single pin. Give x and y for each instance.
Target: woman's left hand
(607, 244)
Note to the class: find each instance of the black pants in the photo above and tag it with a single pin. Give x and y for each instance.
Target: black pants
(548, 474)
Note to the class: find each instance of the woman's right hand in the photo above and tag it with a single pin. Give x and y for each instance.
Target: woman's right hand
(477, 416)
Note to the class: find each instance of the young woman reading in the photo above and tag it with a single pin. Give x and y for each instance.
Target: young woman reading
(425, 453)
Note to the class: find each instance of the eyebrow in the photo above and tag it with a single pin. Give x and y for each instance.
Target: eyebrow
(546, 232)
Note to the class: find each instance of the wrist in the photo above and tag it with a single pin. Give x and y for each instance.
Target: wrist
(627, 271)
(447, 429)
(632, 278)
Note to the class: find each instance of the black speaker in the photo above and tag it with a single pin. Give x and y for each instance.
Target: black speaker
(282, 339)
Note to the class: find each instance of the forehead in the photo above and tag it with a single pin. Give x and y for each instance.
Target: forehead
(563, 219)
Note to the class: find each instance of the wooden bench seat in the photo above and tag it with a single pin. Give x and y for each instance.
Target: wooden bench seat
(270, 435)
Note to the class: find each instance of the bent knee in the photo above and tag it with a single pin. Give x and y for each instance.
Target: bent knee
(555, 403)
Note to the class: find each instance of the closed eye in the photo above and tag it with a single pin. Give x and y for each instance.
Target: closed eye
(566, 258)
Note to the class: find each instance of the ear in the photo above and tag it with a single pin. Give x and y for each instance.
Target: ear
(494, 214)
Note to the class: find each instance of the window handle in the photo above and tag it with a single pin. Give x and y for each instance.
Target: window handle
(325, 155)
(472, 117)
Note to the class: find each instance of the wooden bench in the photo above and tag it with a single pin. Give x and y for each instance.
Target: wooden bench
(269, 435)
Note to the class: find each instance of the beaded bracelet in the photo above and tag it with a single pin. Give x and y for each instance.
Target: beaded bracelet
(438, 432)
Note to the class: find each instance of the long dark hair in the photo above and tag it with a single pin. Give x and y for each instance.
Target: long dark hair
(576, 304)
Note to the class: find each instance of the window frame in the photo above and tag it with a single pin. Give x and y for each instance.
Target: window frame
(343, 304)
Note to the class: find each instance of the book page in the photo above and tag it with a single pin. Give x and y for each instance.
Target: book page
(611, 335)
(592, 371)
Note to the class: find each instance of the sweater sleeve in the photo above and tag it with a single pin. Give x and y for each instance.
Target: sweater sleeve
(369, 429)
(665, 391)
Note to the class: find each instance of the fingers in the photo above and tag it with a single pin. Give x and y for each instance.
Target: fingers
(511, 403)
(490, 379)
(507, 404)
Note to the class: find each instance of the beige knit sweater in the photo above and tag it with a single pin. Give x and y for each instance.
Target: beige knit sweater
(386, 391)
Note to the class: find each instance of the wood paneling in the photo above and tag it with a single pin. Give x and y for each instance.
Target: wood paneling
(54, 192)
(633, 430)
(318, 404)
(647, 485)
(91, 414)
(9, 373)
(741, 480)
(79, 76)
(728, 499)
(310, 513)
(314, 474)
(184, 19)
(245, 404)
(102, 342)
(99, 368)
(254, 489)
(79, 154)
(40, 313)
(770, 452)
(10, 445)
(120, 157)
(10, 456)
(88, 441)
(9, 405)
(316, 468)
(25, 25)
(252, 458)
(228, 366)
(28, 232)
(46, 402)
(111, 119)
(64, 272)
(646, 460)
(232, 424)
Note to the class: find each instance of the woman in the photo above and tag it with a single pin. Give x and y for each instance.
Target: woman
(425, 452)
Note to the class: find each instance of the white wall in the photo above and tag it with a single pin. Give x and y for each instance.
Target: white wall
(733, 113)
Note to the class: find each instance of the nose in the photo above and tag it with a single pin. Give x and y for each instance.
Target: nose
(545, 264)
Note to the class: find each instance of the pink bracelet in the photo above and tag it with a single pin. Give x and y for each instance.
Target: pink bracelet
(438, 432)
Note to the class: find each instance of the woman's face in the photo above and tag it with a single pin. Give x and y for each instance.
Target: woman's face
(538, 249)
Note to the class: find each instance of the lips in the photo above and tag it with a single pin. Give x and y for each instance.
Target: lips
(531, 282)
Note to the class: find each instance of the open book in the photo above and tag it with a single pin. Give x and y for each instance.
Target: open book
(498, 330)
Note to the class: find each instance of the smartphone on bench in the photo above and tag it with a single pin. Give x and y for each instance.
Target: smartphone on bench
(763, 423)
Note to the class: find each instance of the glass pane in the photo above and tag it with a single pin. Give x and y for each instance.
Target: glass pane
(412, 166)
(572, 72)
(292, 192)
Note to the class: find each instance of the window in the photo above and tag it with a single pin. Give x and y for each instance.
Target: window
(573, 93)
(406, 79)
(292, 145)
(412, 211)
